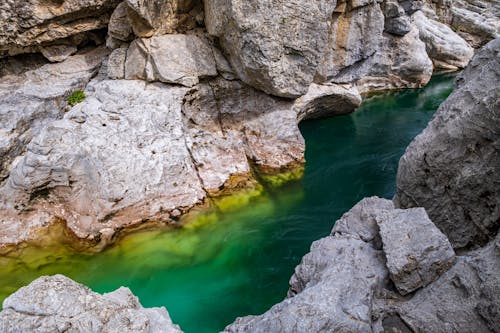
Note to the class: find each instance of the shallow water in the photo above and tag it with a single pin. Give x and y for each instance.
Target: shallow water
(238, 263)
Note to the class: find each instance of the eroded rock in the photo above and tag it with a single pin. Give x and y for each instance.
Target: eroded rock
(57, 303)
(452, 168)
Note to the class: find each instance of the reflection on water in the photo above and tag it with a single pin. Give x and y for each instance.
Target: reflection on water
(234, 263)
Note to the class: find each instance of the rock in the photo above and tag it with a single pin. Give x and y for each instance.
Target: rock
(116, 63)
(327, 100)
(361, 53)
(417, 252)
(464, 299)
(119, 25)
(396, 20)
(446, 49)
(159, 17)
(28, 26)
(57, 303)
(444, 169)
(181, 145)
(321, 298)
(58, 53)
(181, 59)
(273, 46)
(32, 97)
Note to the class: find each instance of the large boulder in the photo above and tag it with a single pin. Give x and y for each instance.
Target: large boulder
(57, 304)
(39, 25)
(452, 168)
(417, 252)
(447, 50)
(273, 46)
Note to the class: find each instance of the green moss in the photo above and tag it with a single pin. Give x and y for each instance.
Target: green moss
(236, 201)
(76, 97)
(279, 179)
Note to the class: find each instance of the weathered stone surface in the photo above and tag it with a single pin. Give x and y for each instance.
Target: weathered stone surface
(28, 25)
(180, 146)
(464, 299)
(446, 49)
(32, 97)
(181, 59)
(58, 53)
(417, 252)
(119, 25)
(360, 52)
(57, 303)
(452, 168)
(158, 17)
(321, 298)
(397, 22)
(116, 63)
(273, 46)
(327, 100)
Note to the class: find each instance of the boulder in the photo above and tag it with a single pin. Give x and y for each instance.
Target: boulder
(451, 168)
(119, 25)
(446, 49)
(57, 303)
(35, 25)
(417, 252)
(180, 59)
(273, 46)
(327, 100)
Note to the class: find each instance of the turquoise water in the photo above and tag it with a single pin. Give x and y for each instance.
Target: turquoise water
(238, 263)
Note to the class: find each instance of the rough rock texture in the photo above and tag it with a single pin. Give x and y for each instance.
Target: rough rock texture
(417, 252)
(446, 49)
(179, 145)
(158, 17)
(364, 50)
(59, 304)
(452, 168)
(477, 21)
(274, 46)
(27, 26)
(119, 25)
(33, 96)
(327, 100)
(333, 288)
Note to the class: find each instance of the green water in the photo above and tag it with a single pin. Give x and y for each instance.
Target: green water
(238, 263)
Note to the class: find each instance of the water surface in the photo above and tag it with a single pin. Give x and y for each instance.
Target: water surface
(238, 263)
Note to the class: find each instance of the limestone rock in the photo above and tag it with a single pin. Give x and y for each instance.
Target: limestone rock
(417, 252)
(396, 20)
(116, 63)
(181, 59)
(327, 100)
(446, 49)
(464, 299)
(58, 53)
(28, 25)
(322, 298)
(158, 17)
(32, 97)
(452, 168)
(119, 25)
(57, 303)
(273, 46)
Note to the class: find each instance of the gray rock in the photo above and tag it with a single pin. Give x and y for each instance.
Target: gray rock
(181, 59)
(446, 49)
(397, 22)
(417, 252)
(273, 46)
(116, 63)
(57, 303)
(333, 288)
(119, 25)
(28, 25)
(452, 168)
(464, 299)
(327, 100)
(32, 97)
(58, 53)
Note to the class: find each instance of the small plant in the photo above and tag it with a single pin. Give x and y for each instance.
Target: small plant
(76, 97)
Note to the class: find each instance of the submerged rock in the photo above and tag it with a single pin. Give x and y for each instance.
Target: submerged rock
(57, 303)
(417, 252)
(452, 168)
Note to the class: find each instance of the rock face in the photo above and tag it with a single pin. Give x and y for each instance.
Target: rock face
(31, 26)
(451, 169)
(57, 304)
(446, 49)
(417, 252)
(32, 97)
(273, 46)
